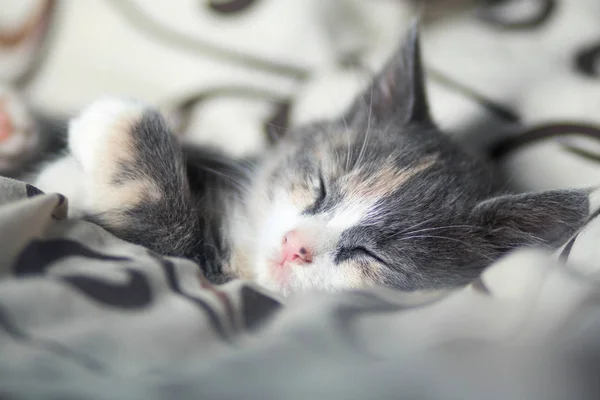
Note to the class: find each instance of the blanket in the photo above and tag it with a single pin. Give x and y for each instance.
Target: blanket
(86, 315)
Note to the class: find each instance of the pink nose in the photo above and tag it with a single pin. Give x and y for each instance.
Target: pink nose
(294, 249)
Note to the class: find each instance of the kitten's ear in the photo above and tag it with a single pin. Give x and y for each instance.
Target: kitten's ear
(398, 92)
(546, 218)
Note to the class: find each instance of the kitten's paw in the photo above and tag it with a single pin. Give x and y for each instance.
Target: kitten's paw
(129, 160)
(103, 141)
(100, 138)
(19, 133)
(125, 171)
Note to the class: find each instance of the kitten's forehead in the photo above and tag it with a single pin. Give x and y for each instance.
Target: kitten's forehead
(338, 149)
(357, 197)
(386, 178)
(360, 168)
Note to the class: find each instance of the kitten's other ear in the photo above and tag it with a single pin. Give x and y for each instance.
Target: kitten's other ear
(397, 92)
(546, 218)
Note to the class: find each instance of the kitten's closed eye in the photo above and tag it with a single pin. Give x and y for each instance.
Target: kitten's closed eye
(358, 252)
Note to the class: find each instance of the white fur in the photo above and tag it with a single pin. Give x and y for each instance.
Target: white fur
(348, 215)
(324, 231)
(280, 219)
(64, 176)
(73, 174)
(88, 132)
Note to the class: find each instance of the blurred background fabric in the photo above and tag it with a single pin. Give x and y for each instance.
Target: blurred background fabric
(225, 71)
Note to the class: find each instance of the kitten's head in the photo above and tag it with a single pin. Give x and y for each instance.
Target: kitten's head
(382, 197)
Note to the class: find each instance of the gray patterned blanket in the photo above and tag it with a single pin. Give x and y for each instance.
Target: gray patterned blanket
(86, 315)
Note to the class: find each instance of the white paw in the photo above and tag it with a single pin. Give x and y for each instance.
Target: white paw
(105, 141)
(101, 133)
(19, 134)
(64, 176)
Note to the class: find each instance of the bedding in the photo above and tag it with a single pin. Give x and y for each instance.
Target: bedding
(86, 315)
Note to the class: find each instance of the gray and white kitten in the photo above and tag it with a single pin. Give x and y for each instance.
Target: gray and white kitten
(377, 197)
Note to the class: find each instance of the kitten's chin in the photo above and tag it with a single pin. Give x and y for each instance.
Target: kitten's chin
(274, 276)
(277, 277)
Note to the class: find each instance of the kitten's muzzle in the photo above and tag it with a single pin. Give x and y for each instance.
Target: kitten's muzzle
(295, 249)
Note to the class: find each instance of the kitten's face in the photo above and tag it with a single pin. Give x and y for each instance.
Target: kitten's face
(369, 205)
(382, 197)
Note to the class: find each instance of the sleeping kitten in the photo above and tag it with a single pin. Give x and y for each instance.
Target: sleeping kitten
(376, 197)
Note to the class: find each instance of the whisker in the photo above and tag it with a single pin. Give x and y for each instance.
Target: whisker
(240, 185)
(468, 245)
(364, 146)
(347, 137)
(436, 237)
(410, 260)
(412, 227)
(438, 228)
